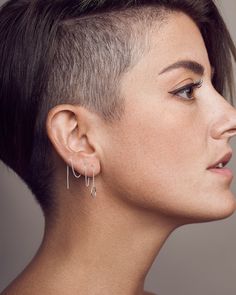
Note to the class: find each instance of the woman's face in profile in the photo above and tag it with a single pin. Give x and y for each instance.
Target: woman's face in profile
(159, 153)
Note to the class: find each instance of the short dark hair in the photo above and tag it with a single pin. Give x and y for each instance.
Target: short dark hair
(54, 52)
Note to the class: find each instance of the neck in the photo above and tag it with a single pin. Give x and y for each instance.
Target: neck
(106, 246)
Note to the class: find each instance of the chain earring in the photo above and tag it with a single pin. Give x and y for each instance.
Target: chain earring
(93, 190)
(67, 174)
(86, 177)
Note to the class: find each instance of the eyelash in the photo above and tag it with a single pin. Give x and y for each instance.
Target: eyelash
(190, 87)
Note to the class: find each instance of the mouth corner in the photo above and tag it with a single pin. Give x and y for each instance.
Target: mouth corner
(223, 160)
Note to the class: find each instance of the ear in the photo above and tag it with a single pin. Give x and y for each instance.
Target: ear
(68, 128)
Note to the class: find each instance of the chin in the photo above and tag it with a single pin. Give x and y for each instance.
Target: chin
(217, 210)
(214, 209)
(226, 210)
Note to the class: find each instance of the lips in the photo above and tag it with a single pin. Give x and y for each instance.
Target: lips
(225, 159)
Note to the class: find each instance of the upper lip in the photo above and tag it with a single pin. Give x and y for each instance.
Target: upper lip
(225, 159)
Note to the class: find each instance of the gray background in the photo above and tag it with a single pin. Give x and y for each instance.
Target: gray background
(196, 259)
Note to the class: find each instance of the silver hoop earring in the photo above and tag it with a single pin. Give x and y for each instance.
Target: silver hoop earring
(93, 191)
(67, 174)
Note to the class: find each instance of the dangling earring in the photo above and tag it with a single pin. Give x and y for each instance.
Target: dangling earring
(93, 191)
(86, 178)
(67, 174)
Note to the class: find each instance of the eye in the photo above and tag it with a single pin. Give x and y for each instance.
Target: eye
(186, 92)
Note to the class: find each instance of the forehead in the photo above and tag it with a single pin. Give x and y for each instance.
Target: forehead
(178, 38)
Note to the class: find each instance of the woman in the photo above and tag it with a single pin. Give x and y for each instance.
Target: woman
(113, 114)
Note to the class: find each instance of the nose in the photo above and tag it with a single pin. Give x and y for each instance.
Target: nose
(225, 125)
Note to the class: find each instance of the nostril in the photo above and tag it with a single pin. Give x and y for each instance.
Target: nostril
(232, 131)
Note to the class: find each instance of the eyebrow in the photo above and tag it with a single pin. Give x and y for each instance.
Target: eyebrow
(193, 66)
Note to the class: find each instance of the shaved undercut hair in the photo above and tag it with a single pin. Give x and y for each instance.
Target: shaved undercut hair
(55, 52)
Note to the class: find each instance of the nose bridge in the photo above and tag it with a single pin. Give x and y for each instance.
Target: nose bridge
(225, 123)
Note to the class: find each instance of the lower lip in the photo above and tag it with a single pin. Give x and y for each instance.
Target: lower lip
(222, 171)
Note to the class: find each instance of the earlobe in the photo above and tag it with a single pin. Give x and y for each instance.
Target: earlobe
(93, 190)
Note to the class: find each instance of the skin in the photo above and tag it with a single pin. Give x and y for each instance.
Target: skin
(150, 173)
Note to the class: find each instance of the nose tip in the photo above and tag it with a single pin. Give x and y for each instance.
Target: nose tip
(232, 132)
(226, 123)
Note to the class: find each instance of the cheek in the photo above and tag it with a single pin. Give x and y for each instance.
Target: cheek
(167, 142)
(152, 160)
